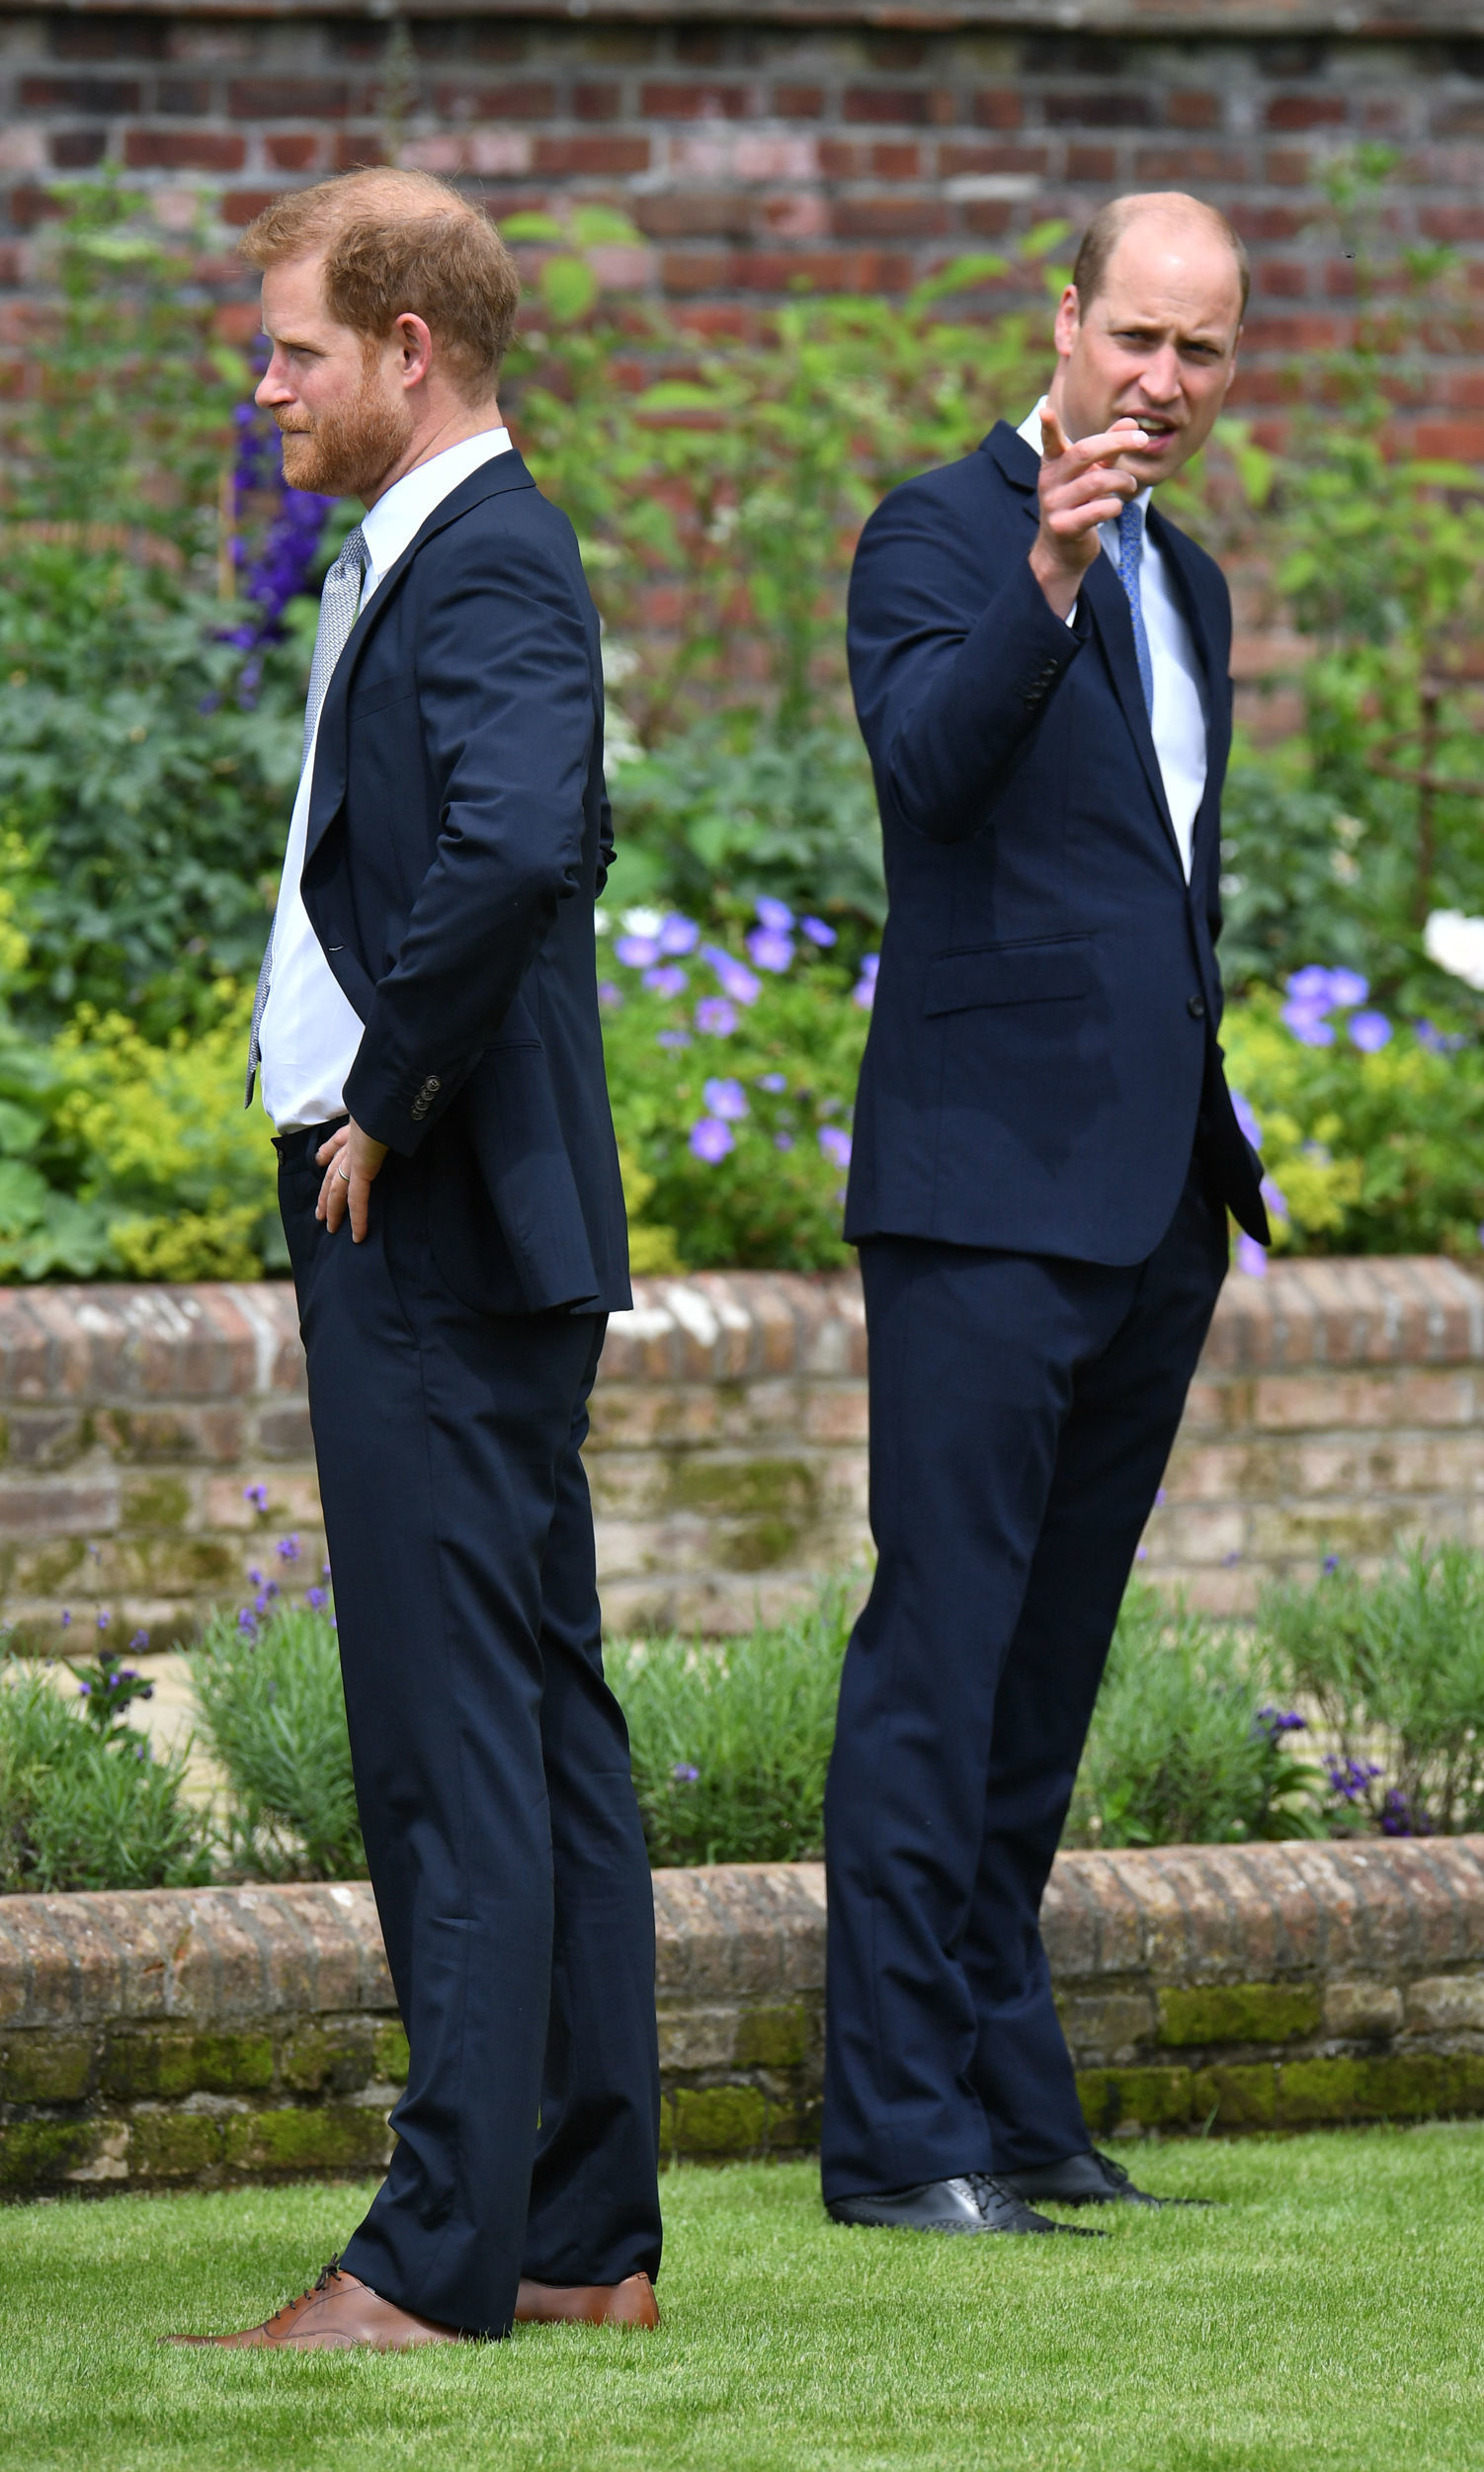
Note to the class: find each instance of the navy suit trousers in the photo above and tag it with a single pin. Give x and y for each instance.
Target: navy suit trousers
(491, 1764)
(1021, 1412)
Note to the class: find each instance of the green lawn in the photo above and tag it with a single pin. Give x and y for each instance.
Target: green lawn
(1327, 2318)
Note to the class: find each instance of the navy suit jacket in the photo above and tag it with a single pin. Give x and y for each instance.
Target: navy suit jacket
(1043, 1040)
(459, 836)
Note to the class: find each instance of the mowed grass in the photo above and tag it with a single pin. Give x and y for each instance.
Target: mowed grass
(1327, 2317)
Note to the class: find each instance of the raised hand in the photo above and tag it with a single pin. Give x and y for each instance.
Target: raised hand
(1081, 486)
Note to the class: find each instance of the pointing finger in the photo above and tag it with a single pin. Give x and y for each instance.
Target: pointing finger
(1053, 437)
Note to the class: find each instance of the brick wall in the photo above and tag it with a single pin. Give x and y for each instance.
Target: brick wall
(759, 141)
(167, 2037)
(1339, 1407)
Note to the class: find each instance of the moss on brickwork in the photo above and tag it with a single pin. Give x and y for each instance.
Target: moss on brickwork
(314, 2137)
(1153, 2097)
(744, 1489)
(174, 2145)
(161, 1502)
(1239, 2096)
(339, 2056)
(45, 2068)
(1239, 2013)
(720, 2119)
(772, 2038)
(391, 2055)
(186, 2064)
(760, 1546)
(1405, 2086)
(35, 2152)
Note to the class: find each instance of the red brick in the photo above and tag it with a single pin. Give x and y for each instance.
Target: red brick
(516, 99)
(593, 158)
(988, 219)
(293, 151)
(844, 158)
(955, 158)
(1459, 442)
(903, 161)
(1098, 164)
(597, 102)
(696, 269)
(909, 107)
(110, 39)
(183, 150)
(79, 94)
(287, 98)
(890, 219)
(1267, 222)
(1452, 223)
(184, 98)
(694, 215)
(1191, 107)
(1457, 120)
(826, 269)
(1288, 167)
(1306, 112)
(1099, 106)
(799, 102)
(78, 149)
(240, 206)
(1284, 279)
(998, 107)
(1179, 166)
(693, 102)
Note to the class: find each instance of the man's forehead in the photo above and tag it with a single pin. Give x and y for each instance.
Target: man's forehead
(1171, 277)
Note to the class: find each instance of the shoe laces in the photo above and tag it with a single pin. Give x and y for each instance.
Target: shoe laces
(1114, 2171)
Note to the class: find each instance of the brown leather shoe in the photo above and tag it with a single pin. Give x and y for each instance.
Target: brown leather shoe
(337, 2314)
(629, 2303)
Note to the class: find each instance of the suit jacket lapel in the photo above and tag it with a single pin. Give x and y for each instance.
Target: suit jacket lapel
(502, 473)
(1108, 604)
(1175, 551)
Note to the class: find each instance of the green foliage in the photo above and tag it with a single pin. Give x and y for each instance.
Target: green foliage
(1378, 1152)
(769, 1085)
(85, 1807)
(732, 1738)
(272, 1706)
(1396, 1669)
(1184, 1747)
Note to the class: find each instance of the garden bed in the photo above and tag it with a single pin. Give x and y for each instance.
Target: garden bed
(199, 2037)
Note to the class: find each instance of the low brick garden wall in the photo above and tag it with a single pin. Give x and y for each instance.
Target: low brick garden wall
(1339, 1405)
(165, 2038)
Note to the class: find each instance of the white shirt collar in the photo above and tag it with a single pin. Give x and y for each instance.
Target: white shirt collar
(400, 516)
(1030, 430)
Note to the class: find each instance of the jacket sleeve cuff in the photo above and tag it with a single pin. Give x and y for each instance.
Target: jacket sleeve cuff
(397, 1110)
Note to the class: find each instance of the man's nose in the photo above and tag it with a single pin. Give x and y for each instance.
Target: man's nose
(1160, 377)
(271, 388)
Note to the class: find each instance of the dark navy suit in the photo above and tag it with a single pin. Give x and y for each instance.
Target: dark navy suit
(1044, 1155)
(457, 838)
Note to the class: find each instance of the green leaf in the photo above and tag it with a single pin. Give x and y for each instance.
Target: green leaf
(569, 288)
(600, 226)
(530, 225)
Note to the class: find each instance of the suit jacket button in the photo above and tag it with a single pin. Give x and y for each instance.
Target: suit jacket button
(1196, 1006)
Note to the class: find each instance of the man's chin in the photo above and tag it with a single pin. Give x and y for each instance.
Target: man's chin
(307, 467)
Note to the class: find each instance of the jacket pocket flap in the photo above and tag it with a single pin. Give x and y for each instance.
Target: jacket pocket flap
(1007, 974)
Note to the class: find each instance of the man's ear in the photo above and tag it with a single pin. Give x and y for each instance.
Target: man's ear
(414, 348)
(1068, 320)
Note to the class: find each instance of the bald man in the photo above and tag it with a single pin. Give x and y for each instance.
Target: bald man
(1045, 1154)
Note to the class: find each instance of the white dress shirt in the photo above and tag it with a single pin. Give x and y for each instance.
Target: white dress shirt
(310, 1031)
(1179, 721)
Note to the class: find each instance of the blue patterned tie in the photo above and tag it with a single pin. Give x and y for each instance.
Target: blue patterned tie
(1131, 558)
(338, 607)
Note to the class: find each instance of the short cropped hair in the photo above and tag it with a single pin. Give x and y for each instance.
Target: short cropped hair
(397, 244)
(1113, 220)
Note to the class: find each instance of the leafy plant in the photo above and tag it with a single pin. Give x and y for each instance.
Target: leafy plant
(1185, 1746)
(732, 1738)
(272, 1704)
(1396, 1669)
(88, 1807)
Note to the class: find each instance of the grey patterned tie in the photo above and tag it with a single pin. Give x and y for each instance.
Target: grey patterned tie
(338, 605)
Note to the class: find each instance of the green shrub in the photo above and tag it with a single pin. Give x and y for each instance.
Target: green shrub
(1185, 1746)
(732, 1738)
(1396, 1669)
(84, 1806)
(272, 1706)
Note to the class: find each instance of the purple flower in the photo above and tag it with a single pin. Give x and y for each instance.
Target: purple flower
(316, 1599)
(247, 1621)
(818, 932)
(1272, 1195)
(1276, 1721)
(864, 993)
(835, 1144)
(610, 996)
(1251, 1258)
(256, 1495)
(324, 1571)
(637, 952)
(1348, 987)
(1370, 1032)
(287, 1549)
(684, 1773)
(85, 1690)
(255, 1579)
(769, 950)
(776, 916)
(1159, 1494)
(716, 1016)
(1247, 1123)
(669, 979)
(138, 1643)
(710, 1139)
(776, 1081)
(1441, 1043)
(1332, 1562)
(1307, 1025)
(104, 1619)
(66, 1619)
(672, 1039)
(737, 981)
(783, 1141)
(678, 934)
(728, 1099)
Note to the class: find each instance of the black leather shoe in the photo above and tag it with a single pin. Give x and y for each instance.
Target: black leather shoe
(972, 2202)
(1086, 2179)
